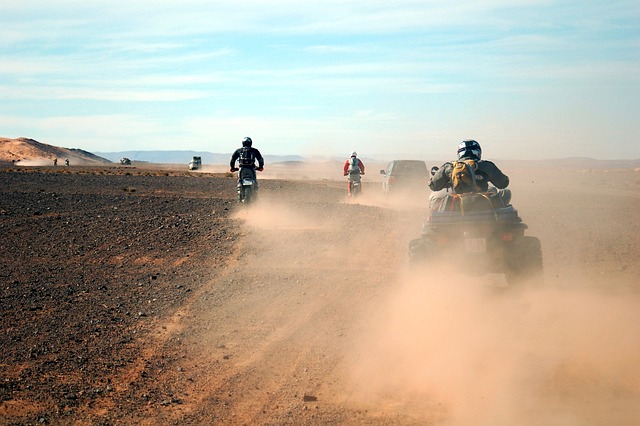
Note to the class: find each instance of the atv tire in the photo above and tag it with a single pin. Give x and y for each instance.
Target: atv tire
(421, 250)
(524, 262)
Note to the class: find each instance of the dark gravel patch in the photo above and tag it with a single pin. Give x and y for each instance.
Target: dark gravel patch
(92, 260)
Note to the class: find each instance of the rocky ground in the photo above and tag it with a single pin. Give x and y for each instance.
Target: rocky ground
(92, 262)
(147, 296)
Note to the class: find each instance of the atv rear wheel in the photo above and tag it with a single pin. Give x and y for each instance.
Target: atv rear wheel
(421, 250)
(524, 262)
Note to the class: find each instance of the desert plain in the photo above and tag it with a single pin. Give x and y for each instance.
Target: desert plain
(147, 295)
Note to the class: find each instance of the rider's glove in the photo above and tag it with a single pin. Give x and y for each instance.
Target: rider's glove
(344, 174)
(233, 169)
(260, 169)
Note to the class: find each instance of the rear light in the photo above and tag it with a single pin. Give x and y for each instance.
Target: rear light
(506, 236)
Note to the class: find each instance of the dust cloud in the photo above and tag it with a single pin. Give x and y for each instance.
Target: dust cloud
(484, 355)
(38, 162)
(270, 215)
(429, 346)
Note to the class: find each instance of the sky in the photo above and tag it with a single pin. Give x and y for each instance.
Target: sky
(528, 79)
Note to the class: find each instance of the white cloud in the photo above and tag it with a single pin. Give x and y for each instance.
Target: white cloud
(336, 71)
(46, 94)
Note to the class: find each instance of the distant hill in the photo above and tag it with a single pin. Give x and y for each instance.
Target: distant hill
(25, 151)
(183, 157)
(572, 163)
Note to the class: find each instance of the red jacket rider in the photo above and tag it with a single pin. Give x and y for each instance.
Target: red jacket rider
(346, 164)
(354, 168)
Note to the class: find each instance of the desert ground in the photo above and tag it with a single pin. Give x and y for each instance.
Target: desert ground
(149, 296)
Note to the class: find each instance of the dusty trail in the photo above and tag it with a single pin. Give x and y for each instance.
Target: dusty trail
(304, 329)
(278, 334)
(278, 331)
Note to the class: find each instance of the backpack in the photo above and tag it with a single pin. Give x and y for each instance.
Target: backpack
(354, 165)
(463, 176)
(247, 157)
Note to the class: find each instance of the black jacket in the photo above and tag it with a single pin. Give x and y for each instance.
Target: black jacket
(486, 173)
(255, 153)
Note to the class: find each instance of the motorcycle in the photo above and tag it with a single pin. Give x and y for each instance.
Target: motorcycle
(355, 184)
(479, 234)
(247, 185)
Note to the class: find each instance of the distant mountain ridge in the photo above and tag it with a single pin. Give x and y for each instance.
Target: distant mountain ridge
(184, 156)
(25, 151)
(573, 163)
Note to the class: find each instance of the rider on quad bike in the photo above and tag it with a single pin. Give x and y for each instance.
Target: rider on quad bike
(484, 172)
(473, 224)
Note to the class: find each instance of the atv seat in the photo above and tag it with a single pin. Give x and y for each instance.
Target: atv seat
(501, 215)
(474, 207)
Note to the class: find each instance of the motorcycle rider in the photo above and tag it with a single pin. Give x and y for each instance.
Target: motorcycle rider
(354, 168)
(246, 158)
(487, 172)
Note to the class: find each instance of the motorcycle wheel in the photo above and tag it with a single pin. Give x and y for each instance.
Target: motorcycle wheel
(355, 191)
(247, 194)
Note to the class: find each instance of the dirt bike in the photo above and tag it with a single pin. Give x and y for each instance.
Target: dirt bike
(247, 185)
(355, 184)
(478, 234)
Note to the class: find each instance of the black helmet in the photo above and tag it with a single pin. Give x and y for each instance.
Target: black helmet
(247, 141)
(469, 149)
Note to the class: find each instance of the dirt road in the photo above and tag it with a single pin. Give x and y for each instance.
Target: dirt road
(315, 318)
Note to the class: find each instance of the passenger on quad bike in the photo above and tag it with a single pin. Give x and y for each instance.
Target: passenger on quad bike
(353, 168)
(246, 158)
(476, 179)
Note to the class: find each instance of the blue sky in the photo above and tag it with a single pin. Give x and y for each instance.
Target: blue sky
(528, 79)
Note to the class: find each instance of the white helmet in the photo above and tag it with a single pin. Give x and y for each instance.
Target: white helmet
(354, 154)
(469, 149)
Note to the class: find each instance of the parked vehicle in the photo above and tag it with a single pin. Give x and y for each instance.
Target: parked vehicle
(404, 175)
(195, 163)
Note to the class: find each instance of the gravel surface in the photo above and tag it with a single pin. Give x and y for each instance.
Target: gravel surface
(92, 261)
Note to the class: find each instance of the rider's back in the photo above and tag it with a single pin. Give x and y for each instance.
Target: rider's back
(354, 165)
(247, 157)
(463, 176)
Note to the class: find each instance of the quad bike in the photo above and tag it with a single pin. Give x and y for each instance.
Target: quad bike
(247, 185)
(479, 235)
